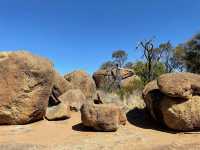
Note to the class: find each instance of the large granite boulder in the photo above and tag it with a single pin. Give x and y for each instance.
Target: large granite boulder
(58, 112)
(102, 117)
(181, 114)
(74, 98)
(60, 86)
(179, 84)
(101, 77)
(81, 80)
(26, 82)
(174, 100)
(104, 77)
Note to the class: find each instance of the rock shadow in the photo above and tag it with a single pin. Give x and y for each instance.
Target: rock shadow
(141, 118)
(82, 128)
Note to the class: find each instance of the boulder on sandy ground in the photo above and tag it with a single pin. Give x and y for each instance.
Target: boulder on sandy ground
(58, 112)
(175, 104)
(179, 84)
(103, 77)
(181, 114)
(102, 117)
(60, 86)
(81, 80)
(26, 83)
(74, 97)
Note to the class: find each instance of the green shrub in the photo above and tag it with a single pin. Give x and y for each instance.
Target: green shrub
(134, 86)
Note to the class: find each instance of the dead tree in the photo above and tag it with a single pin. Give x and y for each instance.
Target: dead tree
(148, 53)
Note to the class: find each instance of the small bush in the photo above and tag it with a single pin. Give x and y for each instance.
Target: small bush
(108, 85)
(134, 86)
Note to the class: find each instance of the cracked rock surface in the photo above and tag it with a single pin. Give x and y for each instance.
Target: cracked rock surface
(26, 83)
(174, 100)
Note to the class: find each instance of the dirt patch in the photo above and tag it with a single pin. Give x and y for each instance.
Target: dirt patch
(138, 134)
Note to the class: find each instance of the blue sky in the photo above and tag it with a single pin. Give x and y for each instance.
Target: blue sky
(81, 34)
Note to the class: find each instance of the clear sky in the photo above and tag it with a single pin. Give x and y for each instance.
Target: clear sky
(81, 34)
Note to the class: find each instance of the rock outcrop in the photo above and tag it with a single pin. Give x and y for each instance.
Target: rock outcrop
(174, 100)
(104, 77)
(74, 97)
(26, 84)
(81, 80)
(58, 112)
(102, 117)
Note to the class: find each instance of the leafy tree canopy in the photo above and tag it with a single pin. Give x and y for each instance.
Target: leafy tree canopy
(119, 57)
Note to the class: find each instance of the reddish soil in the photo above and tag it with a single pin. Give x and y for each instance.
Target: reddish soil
(139, 134)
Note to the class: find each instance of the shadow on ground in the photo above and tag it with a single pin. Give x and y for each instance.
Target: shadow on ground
(140, 118)
(82, 128)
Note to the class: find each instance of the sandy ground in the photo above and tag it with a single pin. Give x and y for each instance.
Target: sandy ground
(139, 134)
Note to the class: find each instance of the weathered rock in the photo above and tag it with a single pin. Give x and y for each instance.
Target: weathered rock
(179, 84)
(26, 83)
(58, 112)
(181, 114)
(81, 80)
(103, 77)
(152, 97)
(102, 117)
(60, 86)
(175, 101)
(151, 86)
(75, 98)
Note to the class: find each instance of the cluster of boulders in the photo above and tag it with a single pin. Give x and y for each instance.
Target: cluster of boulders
(174, 100)
(120, 86)
(32, 90)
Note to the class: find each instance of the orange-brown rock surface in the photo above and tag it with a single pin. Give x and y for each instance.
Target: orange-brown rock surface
(26, 82)
(174, 100)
